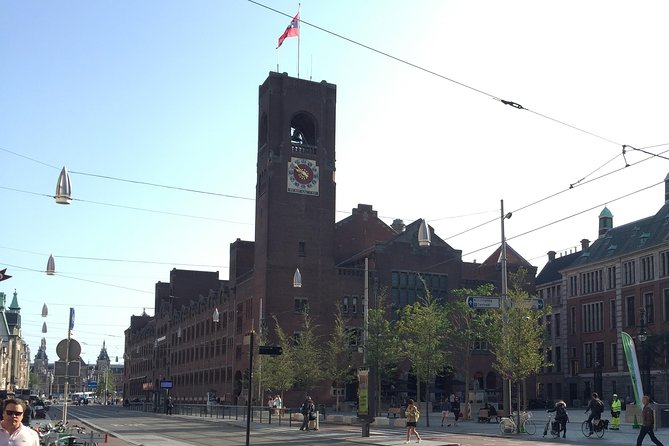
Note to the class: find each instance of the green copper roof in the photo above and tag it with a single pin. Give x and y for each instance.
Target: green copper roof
(605, 213)
(15, 302)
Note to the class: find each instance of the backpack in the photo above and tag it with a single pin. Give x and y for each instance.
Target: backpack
(600, 405)
(417, 413)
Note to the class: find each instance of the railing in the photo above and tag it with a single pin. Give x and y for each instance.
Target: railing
(259, 414)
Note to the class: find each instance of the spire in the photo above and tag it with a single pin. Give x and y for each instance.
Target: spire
(15, 303)
(605, 221)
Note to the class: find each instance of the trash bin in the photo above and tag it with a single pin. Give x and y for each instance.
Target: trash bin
(662, 415)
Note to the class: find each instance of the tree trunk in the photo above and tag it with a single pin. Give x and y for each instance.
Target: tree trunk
(427, 404)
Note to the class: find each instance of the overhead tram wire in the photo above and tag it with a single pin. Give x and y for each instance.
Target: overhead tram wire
(441, 76)
(576, 214)
(555, 194)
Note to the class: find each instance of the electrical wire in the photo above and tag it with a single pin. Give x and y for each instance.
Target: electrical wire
(441, 76)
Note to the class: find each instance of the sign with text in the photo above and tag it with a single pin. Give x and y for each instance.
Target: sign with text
(269, 350)
(363, 391)
(477, 302)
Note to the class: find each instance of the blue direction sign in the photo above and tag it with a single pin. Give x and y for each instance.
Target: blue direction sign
(483, 302)
(537, 304)
(92, 384)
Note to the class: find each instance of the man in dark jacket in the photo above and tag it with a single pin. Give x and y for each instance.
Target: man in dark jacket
(648, 423)
(596, 407)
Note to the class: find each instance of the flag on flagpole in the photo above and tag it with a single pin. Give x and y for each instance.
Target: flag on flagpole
(293, 30)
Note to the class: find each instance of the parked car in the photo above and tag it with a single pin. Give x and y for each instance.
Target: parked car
(39, 411)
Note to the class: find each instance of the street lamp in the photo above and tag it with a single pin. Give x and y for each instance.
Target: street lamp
(506, 389)
(643, 337)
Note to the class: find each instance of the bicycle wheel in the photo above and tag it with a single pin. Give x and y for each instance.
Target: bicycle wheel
(529, 427)
(585, 428)
(507, 426)
(599, 432)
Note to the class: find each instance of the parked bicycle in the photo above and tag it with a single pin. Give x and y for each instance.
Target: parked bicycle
(598, 428)
(507, 425)
(553, 427)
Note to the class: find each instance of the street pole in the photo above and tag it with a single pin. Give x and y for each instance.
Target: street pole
(506, 389)
(67, 365)
(250, 393)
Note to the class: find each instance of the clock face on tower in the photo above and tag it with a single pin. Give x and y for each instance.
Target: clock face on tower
(303, 176)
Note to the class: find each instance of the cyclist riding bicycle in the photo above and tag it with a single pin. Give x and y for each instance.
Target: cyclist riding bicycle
(561, 417)
(595, 407)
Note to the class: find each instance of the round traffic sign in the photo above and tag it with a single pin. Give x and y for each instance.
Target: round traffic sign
(74, 350)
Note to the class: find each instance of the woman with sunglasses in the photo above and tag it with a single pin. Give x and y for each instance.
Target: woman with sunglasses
(12, 431)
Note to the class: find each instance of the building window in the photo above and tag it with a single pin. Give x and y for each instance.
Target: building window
(558, 359)
(599, 353)
(591, 282)
(650, 307)
(301, 248)
(591, 317)
(587, 355)
(408, 286)
(354, 304)
(557, 325)
(480, 345)
(614, 355)
(573, 286)
(572, 321)
(344, 305)
(612, 315)
(611, 276)
(629, 277)
(549, 326)
(354, 337)
(301, 304)
(629, 311)
(664, 263)
(647, 268)
(665, 302)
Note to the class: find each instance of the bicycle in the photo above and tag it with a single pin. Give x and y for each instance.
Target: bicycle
(554, 427)
(507, 425)
(599, 426)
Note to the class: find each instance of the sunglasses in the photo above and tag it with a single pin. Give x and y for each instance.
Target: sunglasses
(13, 412)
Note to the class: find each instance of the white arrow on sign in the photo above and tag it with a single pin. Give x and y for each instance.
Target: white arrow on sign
(483, 302)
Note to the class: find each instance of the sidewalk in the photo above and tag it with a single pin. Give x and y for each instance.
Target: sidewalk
(436, 435)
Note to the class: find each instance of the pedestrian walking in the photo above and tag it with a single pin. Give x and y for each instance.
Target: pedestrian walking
(308, 410)
(27, 413)
(169, 405)
(455, 408)
(648, 423)
(412, 414)
(444, 412)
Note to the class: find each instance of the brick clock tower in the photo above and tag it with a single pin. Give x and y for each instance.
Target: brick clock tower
(295, 200)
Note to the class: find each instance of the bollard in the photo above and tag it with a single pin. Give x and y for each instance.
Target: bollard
(106, 437)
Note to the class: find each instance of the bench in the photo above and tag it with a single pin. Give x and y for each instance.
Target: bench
(484, 416)
(395, 411)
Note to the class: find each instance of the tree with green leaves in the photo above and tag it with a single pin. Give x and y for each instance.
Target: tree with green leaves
(383, 346)
(422, 333)
(106, 385)
(279, 371)
(338, 357)
(466, 326)
(516, 337)
(308, 355)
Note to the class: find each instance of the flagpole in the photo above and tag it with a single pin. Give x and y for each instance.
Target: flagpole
(299, 37)
(277, 59)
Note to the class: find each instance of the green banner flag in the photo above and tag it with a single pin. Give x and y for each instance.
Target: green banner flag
(363, 391)
(633, 366)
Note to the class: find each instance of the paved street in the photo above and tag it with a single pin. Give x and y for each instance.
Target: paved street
(129, 428)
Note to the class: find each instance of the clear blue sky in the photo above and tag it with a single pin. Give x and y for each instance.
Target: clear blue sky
(166, 92)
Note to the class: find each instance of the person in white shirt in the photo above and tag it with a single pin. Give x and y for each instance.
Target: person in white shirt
(12, 431)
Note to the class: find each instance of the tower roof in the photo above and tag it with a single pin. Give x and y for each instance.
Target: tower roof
(15, 302)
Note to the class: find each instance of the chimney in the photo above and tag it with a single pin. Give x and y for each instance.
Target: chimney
(551, 256)
(585, 244)
(398, 225)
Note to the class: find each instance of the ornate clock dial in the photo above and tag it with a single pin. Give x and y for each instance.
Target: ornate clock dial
(303, 176)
